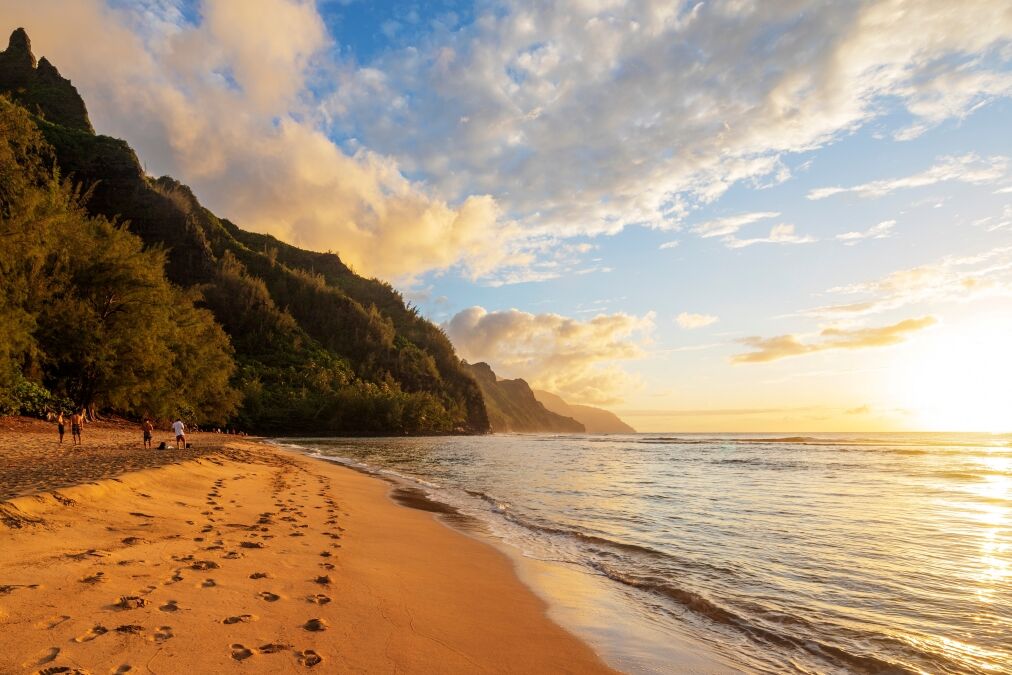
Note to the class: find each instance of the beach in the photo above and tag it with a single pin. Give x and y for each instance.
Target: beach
(238, 556)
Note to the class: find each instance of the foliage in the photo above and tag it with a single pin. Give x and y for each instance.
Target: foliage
(316, 348)
(95, 319)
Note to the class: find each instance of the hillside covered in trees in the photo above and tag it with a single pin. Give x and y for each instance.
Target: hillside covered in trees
(119, 291)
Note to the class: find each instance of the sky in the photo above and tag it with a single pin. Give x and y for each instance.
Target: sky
(706, 216)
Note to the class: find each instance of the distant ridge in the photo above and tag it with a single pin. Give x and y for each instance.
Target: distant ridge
(596, 420)
(512, 406)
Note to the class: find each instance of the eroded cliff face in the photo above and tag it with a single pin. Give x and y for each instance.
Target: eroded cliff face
(512, 406)
(39, 87)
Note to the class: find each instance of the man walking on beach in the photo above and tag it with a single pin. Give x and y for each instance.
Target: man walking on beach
(60, 426)
(76, 422)
(180, 430)
(148, 427)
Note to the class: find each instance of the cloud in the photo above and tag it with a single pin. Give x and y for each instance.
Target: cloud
(969, 168)
(668, 244)
(730, 224)
(881, 231)
(690, 321)
(860, 410)
(949, 279)
(588, 117)
(779, 234)
(469, 145)
(576, 359)
(784, 346)
(226, 104)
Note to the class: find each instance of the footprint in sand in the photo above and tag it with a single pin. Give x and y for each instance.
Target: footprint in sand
(315, 625)
(131, 602)
(251, 544)
(170, 606)
(309, 658)
(54, 670)
(134, 541)
(162, 634)
(203, 565)
(241, 618)
(323, 580)
(52, 622)
(268, 596)
(241, 652)
(273, 648)
(327, 566)
(260, 575)
(209, 583)
(125, 668)
(318, 599)
(46, 656)
(129, 629)
(91, 634)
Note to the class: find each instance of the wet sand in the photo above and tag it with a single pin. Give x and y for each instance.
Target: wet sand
(244, 557)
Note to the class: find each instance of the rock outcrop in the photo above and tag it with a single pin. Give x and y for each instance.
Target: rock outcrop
(39, 87)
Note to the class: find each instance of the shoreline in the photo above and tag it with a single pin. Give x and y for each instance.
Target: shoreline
(257, 556)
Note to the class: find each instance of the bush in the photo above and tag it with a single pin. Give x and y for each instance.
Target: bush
(29, 398)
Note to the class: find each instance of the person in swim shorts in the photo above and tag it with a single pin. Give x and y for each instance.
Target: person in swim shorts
(76, 424)
(148, 427)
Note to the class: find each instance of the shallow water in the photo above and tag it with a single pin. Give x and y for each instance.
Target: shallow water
(821, 553)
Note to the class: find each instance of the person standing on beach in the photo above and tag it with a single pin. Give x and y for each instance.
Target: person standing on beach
(180, 430)
(148, 427)
(60, 426)
(76, 422)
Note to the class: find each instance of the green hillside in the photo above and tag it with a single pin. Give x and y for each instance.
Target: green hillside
(317, 348)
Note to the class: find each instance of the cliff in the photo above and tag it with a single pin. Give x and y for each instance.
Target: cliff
(596, 420)
(319, 349)
(512, 407)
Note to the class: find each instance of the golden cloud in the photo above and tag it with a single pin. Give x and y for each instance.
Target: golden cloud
(784, 346)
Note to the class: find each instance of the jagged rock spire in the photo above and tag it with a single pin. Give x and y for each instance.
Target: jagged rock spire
(20, 47)
(39, 86)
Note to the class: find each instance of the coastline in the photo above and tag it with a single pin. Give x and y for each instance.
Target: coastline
(222, 562)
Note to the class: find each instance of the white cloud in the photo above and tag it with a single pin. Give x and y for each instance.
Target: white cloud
(576, 359)
(590, 117)
(690, 321)
(882, 230)
(226, 106)
(779, 234)
(968, 168)
(536, 121)
(950, 279)
(668, 245)
(721, 227)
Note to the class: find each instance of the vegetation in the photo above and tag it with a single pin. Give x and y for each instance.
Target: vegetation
(298, 343)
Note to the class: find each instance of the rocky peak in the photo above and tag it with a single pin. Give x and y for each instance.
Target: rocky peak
(19, 48)
(39, 86)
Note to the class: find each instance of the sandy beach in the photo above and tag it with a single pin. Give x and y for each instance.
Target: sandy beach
(236, 556)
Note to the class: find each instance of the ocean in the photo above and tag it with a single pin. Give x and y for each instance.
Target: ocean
(823, 553)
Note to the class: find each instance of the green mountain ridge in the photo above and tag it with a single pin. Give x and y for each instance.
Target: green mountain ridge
(512, 407)
(318, 348)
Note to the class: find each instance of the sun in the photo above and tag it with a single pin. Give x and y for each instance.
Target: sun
(959, 378)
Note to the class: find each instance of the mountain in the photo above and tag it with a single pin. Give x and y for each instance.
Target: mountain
(318, 348)
(596, 420)
(512, 407)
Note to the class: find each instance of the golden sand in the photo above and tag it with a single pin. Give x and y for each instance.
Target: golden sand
(241, 557)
